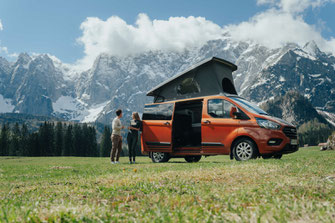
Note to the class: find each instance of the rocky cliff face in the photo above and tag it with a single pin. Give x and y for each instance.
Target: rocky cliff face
(41, 85)
(32, 84)
(292, 107)
(306, 70)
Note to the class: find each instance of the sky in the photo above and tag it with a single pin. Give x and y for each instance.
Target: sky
(77, 31)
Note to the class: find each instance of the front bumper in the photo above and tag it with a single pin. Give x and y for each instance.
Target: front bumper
(288, 148)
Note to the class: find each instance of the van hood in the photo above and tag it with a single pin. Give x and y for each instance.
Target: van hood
(279, 120)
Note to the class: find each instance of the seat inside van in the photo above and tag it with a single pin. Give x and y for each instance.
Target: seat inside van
(187, 124)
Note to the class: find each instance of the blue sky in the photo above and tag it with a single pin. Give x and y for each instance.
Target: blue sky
(41, 26)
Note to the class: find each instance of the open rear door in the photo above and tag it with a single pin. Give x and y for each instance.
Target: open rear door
(157, 128)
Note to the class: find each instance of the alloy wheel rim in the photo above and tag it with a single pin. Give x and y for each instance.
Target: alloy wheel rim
(158, 156)
(244, 151)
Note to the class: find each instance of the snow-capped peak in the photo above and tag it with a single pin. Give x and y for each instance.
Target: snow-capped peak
(312, 48)
(23, 59)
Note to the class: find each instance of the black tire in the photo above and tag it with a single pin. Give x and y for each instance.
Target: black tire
(244, 149)
(278, 156)
(159, 157)
(267, 156)
(192, 159)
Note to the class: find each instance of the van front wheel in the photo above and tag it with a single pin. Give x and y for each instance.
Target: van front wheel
(159, 157)
(277, 156)
(244, 149)
(192, 159)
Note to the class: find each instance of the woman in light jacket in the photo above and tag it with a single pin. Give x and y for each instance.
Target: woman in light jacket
(132, 137)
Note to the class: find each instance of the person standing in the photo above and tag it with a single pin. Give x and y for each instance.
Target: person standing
(132, 137)
(116, 137)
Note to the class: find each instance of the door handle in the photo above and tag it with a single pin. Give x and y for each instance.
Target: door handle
(167, 123)
(207, 122)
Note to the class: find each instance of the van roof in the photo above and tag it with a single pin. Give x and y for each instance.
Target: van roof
(197, 98)
(207, 75)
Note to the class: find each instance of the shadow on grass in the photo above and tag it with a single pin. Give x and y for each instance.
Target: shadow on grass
(12, 157)
(184, 162)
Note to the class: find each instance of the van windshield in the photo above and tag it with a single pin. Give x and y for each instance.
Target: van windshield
(248, 106)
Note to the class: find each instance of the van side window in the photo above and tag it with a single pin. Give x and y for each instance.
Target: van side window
(158, 112)
(215, 108)
(188, 86)
(219, 108)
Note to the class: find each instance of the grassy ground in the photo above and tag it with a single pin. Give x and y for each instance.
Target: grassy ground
(300, 188)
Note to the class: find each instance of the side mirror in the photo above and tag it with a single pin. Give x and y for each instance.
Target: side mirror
(233, 112)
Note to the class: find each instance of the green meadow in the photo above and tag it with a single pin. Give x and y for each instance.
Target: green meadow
(298, 188)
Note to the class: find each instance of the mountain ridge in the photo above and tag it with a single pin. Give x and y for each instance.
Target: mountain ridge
(42, 85)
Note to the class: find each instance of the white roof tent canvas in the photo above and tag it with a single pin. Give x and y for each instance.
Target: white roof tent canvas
(209, 77)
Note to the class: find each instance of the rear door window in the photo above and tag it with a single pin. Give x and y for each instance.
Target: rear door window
(158, 112)
(215, 108)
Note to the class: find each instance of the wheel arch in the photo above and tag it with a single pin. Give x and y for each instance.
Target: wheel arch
(242, 137)
(165, 158)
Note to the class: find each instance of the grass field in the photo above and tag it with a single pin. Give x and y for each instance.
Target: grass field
(298, 188)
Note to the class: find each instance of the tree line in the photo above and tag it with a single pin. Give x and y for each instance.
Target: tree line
(313, 132)
(50, 140)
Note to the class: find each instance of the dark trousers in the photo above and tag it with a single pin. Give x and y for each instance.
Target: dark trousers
(132, 143)
(116, 147)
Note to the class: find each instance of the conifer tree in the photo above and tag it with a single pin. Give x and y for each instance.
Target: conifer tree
(14, 148)
(59, 139)
(4, 140)
(85, 148)
(77, 140)
(93, 142)
(106, 143)
(68, 142)
(33, 146)
(24, 140)
(46, 136)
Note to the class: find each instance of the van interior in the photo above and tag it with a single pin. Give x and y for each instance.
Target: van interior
(186, 130)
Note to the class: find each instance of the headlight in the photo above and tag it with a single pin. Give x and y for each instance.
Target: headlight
(264, 123)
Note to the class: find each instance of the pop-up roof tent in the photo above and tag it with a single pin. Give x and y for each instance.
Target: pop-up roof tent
(209, 77)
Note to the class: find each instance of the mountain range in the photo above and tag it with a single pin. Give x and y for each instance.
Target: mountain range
(43, 85)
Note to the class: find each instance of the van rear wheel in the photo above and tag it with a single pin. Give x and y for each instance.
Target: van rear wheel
(244, 150)
(159, 157)
(192, 159)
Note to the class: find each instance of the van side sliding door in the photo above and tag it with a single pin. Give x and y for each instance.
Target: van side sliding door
(157, 127)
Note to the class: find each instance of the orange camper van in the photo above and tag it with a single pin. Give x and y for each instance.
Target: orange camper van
(198, 112)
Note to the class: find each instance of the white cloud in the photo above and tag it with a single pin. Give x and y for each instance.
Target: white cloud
(282, 23)
(274, 28)
(294, 6)
(3, 49)
(13, 55)
(116, 37)
(297, 6)
(4, 52)
(266, 2)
